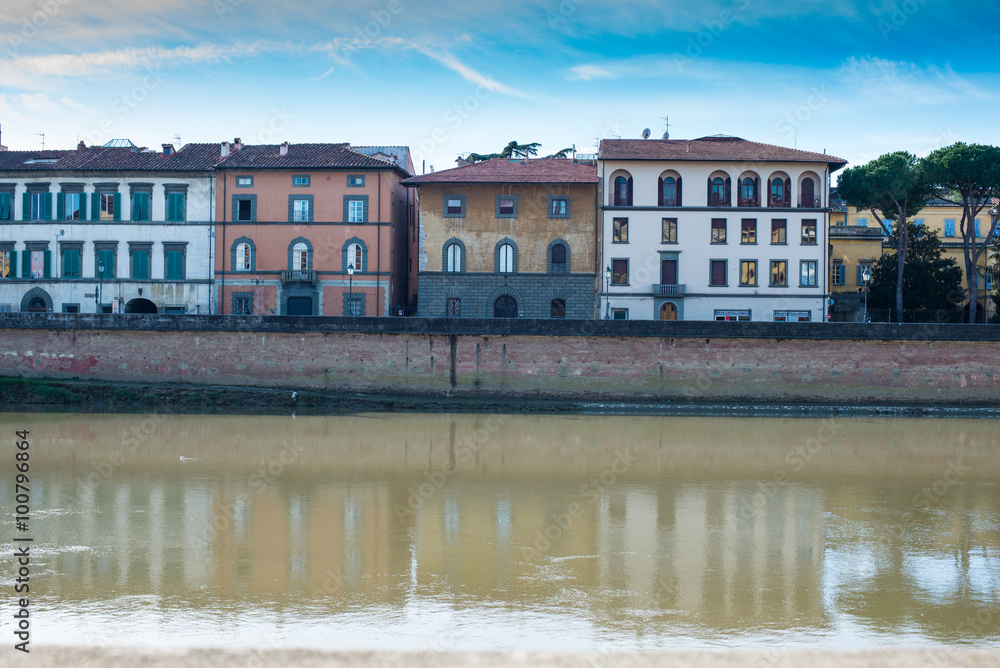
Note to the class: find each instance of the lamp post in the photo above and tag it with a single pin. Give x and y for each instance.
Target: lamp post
(866, 278)
(607, 295)
(350, 293)
(100, 284)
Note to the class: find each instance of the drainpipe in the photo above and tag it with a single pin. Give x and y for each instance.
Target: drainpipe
(222, 294)
(378, 243)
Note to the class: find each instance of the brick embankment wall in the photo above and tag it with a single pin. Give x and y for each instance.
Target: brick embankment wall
(584, 360)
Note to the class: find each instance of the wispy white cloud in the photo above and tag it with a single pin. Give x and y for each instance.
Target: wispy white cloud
(908, 83)
(446, 58)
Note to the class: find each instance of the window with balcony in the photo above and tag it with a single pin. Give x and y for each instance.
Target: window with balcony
(718, 191)
(748, 231)
(718, 230)
(780, 192)
(807, 198)
(748, 193)
(670, 191)
(300, 257)
(622, 191)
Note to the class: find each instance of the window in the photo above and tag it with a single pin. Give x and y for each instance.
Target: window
(619, 314)
(244, 210)
(949, 227)
(300, 257)
(505, 307)
(175, 207)
(619, 231)
(506, 206)
(717, 273)
(807, 271)
(777, 192)
(718, 192)
(72, 206)
(301, 181)
(888, 224)
(558, 308)
(792, 316)
(37, 203)
(173, 262)
(6, 208)
(454, 206)
(732, 315)
(778, 231)
(453, 307)
(37, 260)
(619, 272)
(559, 259)
(356, 181)
(669, 233)
(140, 262)
(243, 257)
(718, 230)
(71, 262)
(748, 192)
(779, 273)
(356, 209)
(354, 305)
(140, 206)
(300, 211)
(453, 257)
(6, 263)
(863, 222)
(749, 231)
(918, 221)
(244, 181)
(108, 206)
(106, 257)
(862, 265)
(622, 191)
(748, 273)
(668, 196)
(242, 303)
(977, 228)
(808, 232)
(807, 197)
(6, 308)
(70, 308)
(355, 257)
(506, 253)
(558, 207)
(837, 272)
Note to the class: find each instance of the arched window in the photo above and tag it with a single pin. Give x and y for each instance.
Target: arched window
(559, 259)
(300, 257)
(506, 258)
(244, 257)
(622, 191)
(355, 257)
(453, 257)
(777, 190)
(808, 193)
(505, 307)
(748, 192)
(669, 191)
(718, 190)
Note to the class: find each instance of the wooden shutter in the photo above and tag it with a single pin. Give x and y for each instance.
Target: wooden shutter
(788, 192)
(718, 272)
(60, 206)
(729, 192)
(659, 193)
(861, 278)
(756, 191)
(26, 207)
(25, 264)
(95, 206)
(118, 206)
(47, 264)
(48, 206)
(679, 201)
(668, 272)
(628, 193)
(709, 200)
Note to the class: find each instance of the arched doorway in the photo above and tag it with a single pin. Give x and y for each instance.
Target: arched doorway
(668, 311)
(37, 305)
(505, 307)
(300, 306)
(140, 306)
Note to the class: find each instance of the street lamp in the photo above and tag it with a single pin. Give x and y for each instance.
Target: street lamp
(350, 293)
(607, 295)
(100, 284)
(866, 278)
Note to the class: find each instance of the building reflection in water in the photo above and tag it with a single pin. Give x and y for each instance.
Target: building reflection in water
(712, 528)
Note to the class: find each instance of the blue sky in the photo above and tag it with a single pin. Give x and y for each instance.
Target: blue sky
(855, 77)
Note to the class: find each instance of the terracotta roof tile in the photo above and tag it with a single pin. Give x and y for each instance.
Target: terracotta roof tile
(302, 156)
(501, 170)
(719, 148)
(192, 157)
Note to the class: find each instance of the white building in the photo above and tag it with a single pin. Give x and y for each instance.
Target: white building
(144, 217)
(717, 228)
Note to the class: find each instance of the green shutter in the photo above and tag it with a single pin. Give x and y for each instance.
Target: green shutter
(83, 206)
(25, 264)
(47, 264)
(26, 207)
(118, 206)
(48, 206)
(95, 206)
(5, 206)
(140, 264)
(60, 206)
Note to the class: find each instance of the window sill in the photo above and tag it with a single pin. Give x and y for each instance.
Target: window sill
(779, 243)
(748, 243)
(718, 243)
(749, 285)
(619, 242)
(776, 285)
(720, 285)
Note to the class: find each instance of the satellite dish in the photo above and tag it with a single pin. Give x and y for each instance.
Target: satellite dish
(646, 133)
(666, 136)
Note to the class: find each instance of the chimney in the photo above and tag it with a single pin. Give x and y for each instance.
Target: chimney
(81, 146)
(284, 148)
(225, 149)
(168, 149)
(462, 162)
(237, 144)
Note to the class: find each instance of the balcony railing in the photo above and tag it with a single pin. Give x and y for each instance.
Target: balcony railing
(810, 203)
(661, 290)
(298, 276)
(717, 200)
(749, 203)
(779, 203)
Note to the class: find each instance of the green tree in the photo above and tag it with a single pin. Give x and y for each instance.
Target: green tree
(511, 150)
(930, 281)
(972, 171)
(891, 187)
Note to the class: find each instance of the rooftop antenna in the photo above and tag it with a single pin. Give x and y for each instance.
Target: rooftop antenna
(666, 134)
(796, 145)
(42, 135)
(177, 138)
